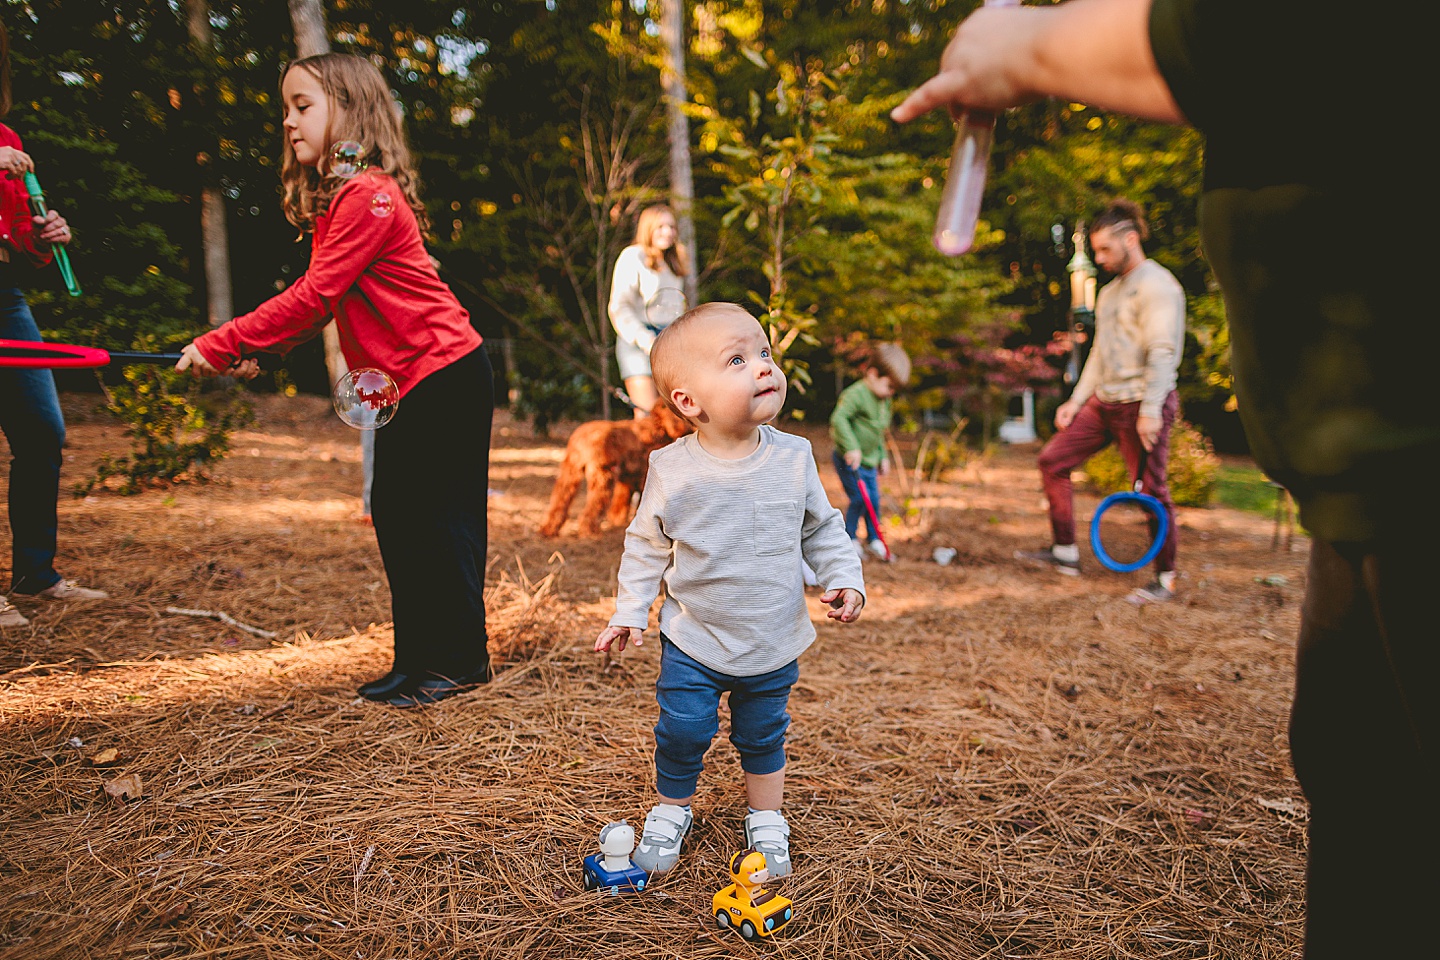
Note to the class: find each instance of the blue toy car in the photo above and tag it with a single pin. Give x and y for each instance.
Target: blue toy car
(613, 881)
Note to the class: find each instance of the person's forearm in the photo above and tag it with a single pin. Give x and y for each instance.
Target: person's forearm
(1097, 52)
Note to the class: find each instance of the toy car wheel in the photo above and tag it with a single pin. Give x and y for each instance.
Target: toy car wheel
(748, 931)
(591, 881)
(722, 919)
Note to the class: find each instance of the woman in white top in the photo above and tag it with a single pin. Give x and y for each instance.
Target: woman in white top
(647, 293)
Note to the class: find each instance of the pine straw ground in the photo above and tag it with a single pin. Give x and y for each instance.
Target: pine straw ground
(994, 762)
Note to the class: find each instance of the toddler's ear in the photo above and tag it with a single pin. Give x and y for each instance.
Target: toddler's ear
(684, 403)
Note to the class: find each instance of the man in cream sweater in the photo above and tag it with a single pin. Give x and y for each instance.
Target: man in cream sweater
(1126, 393)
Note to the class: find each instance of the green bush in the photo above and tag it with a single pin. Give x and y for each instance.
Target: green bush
(1194, 469)
(546, 401)
(177, 431)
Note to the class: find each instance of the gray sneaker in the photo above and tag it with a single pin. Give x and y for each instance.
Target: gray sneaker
(1047, 558)
(665, 829)
(1153, 592)
(10, 616)
(70, 590)
(767, 831)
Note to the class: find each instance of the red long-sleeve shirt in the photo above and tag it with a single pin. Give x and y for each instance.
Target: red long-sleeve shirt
(17, 230)
(369, 269)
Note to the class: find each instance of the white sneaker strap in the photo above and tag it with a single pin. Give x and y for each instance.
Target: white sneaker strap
(767, 826)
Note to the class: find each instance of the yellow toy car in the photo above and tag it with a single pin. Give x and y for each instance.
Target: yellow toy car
(747, 906)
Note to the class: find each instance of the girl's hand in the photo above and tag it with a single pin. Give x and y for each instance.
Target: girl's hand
(884, 468)
(51, 228)
(619, 636)
(852, 459)
(845, 605)
(15, 162)
(193, 360)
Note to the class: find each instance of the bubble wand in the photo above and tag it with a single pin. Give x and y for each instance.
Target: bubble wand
(62, 259)
(965, 178)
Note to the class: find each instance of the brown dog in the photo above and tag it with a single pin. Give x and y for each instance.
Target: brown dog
(610, 457)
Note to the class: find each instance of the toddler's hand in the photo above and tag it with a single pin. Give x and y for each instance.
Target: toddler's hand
(619, 636)
(852, 459)
(845, 605)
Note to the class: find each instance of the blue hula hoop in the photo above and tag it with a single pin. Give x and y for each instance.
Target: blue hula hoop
(1153, 506)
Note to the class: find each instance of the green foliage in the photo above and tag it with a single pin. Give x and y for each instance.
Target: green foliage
(531, 184)
(1247, 488)
(1194, 470)
(177, 431)
(547, 399)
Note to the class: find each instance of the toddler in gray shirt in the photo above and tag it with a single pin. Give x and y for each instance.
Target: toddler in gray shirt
(727, 515)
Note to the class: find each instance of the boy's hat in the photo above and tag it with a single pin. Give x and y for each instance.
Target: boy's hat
(892, 361)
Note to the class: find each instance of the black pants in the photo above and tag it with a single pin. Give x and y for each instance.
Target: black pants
(1363, 734)
(432, 465)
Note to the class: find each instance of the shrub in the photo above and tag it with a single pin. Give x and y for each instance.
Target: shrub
(546, 401)
(1194, 470)
(177, 431)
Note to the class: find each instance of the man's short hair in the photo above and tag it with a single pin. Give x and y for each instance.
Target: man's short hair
(1121, 215)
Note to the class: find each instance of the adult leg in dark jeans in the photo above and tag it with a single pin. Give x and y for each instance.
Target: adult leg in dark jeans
(1363, 738)
(430, 501)
(33, 425)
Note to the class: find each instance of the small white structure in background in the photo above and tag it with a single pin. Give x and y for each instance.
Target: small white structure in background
(1021, 429)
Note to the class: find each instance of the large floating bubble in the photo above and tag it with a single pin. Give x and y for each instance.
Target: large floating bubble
(347, 158)
(366, 398)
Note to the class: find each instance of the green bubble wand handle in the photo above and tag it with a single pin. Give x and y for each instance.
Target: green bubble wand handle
(62, 259)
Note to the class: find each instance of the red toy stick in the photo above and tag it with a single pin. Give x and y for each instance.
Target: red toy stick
(31, 354)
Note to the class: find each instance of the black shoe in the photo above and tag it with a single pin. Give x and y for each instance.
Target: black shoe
(426, 692)
(386, 687)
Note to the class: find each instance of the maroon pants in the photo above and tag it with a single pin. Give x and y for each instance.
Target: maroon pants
(1095, 427)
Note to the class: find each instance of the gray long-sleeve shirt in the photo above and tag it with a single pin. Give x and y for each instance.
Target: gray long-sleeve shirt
(726, 538)
(1139, 340)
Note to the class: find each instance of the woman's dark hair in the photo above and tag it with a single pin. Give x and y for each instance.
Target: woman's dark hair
(4, 73)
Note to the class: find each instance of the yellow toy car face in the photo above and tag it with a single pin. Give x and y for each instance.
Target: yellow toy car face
(752, 920)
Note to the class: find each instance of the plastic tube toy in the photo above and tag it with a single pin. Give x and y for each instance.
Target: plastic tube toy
(62, 259)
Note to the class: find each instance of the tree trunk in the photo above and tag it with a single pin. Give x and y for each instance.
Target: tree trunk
(214, 235)
(682, 181)
(307, 19)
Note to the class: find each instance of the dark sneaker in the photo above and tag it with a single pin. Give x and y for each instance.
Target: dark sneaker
(1153, 592)
(1047, 558)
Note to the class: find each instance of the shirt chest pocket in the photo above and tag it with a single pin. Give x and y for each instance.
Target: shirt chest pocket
(777, 527)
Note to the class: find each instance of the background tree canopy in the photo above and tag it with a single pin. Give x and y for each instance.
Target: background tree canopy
(541, 133)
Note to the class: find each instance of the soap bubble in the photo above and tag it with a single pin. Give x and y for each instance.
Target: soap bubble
(381, 205)
(347, 158)
(366, 398)
(664, 307)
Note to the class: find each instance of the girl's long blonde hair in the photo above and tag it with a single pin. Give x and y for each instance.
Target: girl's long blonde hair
(676, 257)
(362, 110)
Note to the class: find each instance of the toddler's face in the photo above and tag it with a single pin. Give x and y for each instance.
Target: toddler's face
(879, 384)
(732, 377)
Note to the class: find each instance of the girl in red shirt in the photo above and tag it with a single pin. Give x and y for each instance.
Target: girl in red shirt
(369, 269)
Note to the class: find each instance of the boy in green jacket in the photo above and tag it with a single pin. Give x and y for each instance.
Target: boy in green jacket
(858, 425)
